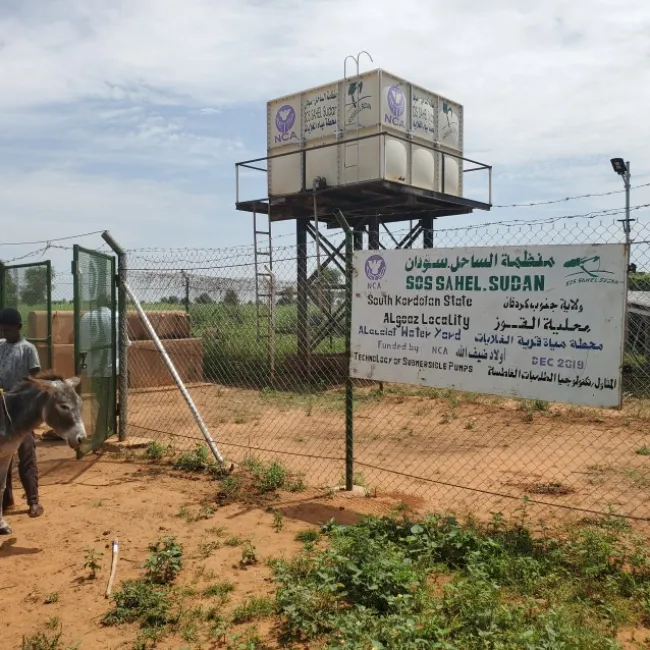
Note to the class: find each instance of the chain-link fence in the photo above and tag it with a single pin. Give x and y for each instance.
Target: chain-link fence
(95, 342)
(264, 360)
(27, 288)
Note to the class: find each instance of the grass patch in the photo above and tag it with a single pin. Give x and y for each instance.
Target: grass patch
(253, 609)
(306, 536)
(257, 481)
(150, 600)
(156, 451)
(42, 641)
(436, 583)
(198, 460)
(219, 590)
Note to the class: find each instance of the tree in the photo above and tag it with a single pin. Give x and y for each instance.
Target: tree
(638, 281)
(11, 295)
(170, 300)
(230, 297)
(326, 287)
(204, 299)
(35, 289)
(287, 296)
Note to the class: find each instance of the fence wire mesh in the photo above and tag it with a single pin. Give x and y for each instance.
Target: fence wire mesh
(240, 338)
(95, 346)
(27, 288)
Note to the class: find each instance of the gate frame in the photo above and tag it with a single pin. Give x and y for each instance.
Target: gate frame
(48, 308)
(77, 299)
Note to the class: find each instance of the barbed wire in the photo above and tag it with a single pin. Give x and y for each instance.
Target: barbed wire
(239, 250)
(40, 252)
(569, 198)
(53, 239)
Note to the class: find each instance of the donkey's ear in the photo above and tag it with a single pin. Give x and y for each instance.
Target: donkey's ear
(44, 384)
(73, 382)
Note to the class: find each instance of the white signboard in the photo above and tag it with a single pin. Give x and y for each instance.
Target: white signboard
(544, 322)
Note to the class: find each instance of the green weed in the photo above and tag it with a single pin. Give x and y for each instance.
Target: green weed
(231, 486)
(140, 600)
(165, 562)
(198, 460)
(156, 451)
(311, 535)
(92, 559)
(219, 590)
(248, 555)
(278, 521)
(53, 623)
(150, 600)
(208, 547)
(270, 478)
(253, 609)
(42, 641)
(435, 583)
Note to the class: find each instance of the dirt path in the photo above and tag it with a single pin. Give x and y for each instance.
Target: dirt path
(43, 582)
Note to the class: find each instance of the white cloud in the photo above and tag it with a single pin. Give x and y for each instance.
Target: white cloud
(116, 108)
(141, 213)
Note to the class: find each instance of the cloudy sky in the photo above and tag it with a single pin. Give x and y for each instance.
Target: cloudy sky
(129, 115)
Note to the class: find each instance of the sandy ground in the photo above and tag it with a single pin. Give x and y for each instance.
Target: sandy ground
(454, 451)
(43, 582)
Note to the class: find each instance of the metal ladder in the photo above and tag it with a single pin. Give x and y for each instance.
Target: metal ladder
(263, 277)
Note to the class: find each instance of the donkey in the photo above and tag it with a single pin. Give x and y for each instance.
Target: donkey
(47, 398)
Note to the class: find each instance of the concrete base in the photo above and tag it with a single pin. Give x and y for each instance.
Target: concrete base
(113, 444)
(357, 491)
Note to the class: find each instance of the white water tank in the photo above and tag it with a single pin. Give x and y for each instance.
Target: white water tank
(372, 127)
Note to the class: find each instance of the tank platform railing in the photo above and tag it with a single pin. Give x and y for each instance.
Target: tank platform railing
(389, 198)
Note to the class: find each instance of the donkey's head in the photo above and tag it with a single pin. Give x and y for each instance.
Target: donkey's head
(61, 407)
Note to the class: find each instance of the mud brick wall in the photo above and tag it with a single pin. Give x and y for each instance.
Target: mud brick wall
(146, 366)
(148, 370)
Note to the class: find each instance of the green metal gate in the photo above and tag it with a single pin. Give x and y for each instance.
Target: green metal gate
(95, 343)
(28, 288)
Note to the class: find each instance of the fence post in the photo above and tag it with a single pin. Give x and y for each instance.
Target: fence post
(2, 285)
(349, 388)
(186, 299)
(174, 373)
(123, 337)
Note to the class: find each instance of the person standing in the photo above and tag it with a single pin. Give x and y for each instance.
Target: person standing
(19, 359)
(96, 357)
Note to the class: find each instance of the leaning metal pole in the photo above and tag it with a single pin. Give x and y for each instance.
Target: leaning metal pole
(349, 388)
(179, 382)
(123, 337)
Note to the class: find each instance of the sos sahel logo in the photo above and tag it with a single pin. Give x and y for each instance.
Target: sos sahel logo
(375, 268)
(285, 118)
(588, 269)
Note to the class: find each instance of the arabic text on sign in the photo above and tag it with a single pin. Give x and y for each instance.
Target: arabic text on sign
(527, 261)
(599, 383)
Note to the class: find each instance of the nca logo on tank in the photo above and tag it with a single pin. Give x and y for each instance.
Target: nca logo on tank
(285, 118)
(375, 269)
(396, 105)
